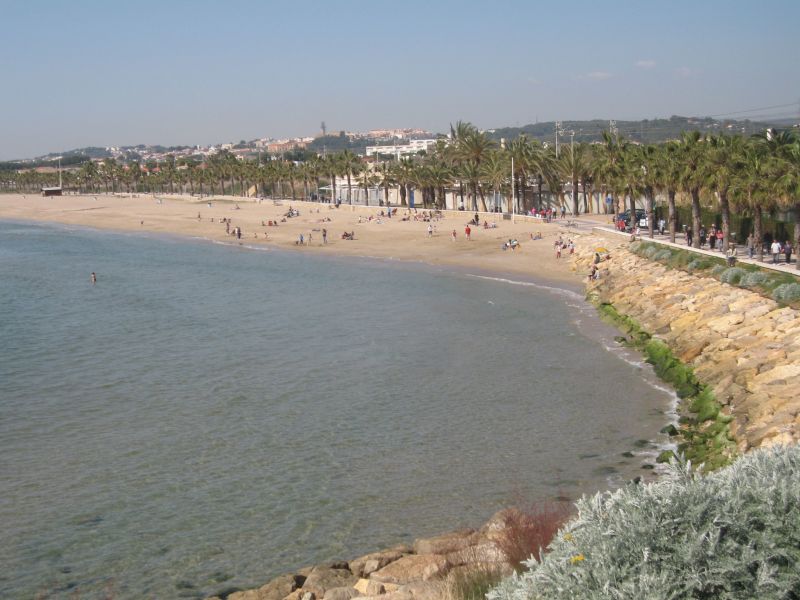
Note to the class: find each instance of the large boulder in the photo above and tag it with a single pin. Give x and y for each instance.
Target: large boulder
(323, 578)
(445, 543)
(369, 563)
(341, 593)
(415, 567)
(277, 589)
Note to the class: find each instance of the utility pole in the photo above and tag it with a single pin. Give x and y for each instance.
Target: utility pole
(572, 156)
(612, 125)
(513, 200)
(558, 131)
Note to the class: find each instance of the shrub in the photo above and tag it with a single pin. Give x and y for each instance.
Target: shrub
(664, 254)
(753, 279)
(787, 292)
(529, 530)
(729, 535)
(650, 251)
(718, 269)
(732, 275)
(471, 584)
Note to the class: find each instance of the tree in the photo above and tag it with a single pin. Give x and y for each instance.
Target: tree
(750, 188)
(350, 164)
(693, 176)
(495, 170)
(669, 167)
(722, 161)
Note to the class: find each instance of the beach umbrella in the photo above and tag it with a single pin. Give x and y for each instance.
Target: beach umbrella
(600, 250)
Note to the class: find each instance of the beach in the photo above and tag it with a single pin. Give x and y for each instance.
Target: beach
(377, 237)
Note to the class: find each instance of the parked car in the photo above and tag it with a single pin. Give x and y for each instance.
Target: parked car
(641, 217)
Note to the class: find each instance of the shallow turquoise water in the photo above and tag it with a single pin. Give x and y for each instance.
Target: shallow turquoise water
(209, 416)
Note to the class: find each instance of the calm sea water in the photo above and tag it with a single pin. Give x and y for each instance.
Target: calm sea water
(209, 416)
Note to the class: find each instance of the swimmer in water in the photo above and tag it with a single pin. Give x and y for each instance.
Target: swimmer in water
(94, 278)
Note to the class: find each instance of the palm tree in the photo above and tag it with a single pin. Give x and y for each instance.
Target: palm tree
(722, 156)
(789, 183)
(495, 171)
(750, 189)
(607, 166)
(367, 179)
(440, 176)
(473, 148)
(350, 164)
(693, 175)
(669, 167)
(403, 171)
(334, 168)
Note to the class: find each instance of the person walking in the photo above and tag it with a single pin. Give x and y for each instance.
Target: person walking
(787, 251)
(324, 236)
(775, 250)
(467, 232)
(430, 230)
(454, 235)
(750, 246)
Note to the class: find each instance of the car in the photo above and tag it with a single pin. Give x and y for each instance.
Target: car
(626, 216)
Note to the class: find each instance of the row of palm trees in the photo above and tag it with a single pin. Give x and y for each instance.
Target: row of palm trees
(756, 175)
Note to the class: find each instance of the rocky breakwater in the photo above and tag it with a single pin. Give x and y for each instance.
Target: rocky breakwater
(405, 572)
(743, 346)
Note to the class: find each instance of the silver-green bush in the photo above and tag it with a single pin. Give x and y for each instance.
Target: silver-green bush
(732, 276)
(650, 251)
(732, 534)
(787, 292)
(753, 279)
(718, 269)
(664, 254)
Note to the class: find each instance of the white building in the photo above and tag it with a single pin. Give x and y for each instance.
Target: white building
(398, 150)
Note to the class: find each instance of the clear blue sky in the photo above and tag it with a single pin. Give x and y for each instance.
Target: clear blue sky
(86, 72)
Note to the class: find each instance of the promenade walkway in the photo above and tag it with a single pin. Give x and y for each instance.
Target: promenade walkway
(741, 251)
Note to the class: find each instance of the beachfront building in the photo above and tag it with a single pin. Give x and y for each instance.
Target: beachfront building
(410, 148)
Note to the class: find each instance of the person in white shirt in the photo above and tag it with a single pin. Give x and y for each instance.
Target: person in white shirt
(775, 249)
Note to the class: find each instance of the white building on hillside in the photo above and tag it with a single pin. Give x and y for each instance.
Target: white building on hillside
(398, 150)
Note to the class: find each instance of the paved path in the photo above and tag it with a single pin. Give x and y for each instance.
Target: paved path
(741, 255)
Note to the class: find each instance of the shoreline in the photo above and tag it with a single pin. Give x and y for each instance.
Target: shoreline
(391, 239)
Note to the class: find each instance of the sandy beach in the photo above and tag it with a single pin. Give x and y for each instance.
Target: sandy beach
(395, 238)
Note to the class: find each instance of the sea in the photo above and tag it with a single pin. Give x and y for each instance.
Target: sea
(208, 416)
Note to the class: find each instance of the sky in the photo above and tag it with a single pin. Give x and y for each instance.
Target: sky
(174, 72)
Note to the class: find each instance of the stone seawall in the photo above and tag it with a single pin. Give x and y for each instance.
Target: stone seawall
(403, 572)
(744, 346)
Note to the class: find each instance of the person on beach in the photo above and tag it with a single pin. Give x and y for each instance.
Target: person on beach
(454, 235)
(301, 239)
(557, 246)
(324, 236)
(94, 278)
(467, 232)
(430, 230)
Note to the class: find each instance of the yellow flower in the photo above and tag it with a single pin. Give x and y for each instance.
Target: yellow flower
(577, 558)
(568, 537)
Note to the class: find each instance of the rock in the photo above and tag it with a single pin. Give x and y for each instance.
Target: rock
(323, 578)
(445, 543)
(362, 585)
(277, 589)
(369, 563)
(341, 593)
(424, 590)
(414, 567)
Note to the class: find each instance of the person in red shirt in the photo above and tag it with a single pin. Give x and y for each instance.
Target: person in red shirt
(467, 231)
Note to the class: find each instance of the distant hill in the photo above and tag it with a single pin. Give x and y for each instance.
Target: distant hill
(646, 131)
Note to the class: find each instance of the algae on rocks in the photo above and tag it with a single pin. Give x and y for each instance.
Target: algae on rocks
(705, 435)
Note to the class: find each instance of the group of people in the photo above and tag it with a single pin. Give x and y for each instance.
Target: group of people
(511, 244)
(560, 245)
(776, 249)
(548, 214)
